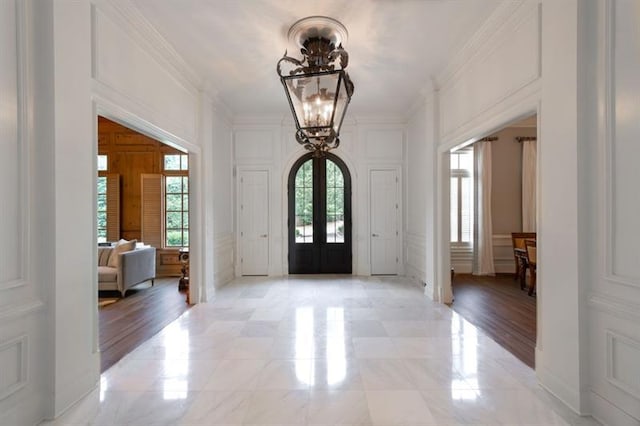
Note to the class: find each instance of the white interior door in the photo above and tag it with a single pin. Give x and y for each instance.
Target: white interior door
(384, 222)
(254, 222)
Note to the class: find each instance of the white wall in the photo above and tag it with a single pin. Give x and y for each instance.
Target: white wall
(222, 191)
(608, 173)
(562, 63)
(268, 143)
(24, 346)
(75, 60)
(420, 178)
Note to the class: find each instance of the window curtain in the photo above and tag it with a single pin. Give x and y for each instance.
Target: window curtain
(529, 160)
(483, 241)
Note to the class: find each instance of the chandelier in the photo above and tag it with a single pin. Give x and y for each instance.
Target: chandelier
(317, 86)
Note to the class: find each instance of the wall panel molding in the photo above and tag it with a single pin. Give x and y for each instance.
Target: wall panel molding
(611, 147)
(519, 41)
(15, 137)
(14, 360)
(113, 41)
(139, 29)
(616, 307)
(224, 254)
(20, 310)
(476, 44)
(416, 255)
(622, 353)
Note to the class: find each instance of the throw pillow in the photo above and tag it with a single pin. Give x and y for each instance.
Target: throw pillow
(121, 247)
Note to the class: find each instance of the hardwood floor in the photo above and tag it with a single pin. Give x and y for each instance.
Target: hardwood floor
(146, 310)
(498, 307)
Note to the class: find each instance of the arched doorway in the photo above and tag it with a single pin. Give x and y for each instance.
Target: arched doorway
(319, 216)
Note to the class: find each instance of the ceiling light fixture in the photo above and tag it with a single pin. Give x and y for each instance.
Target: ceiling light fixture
(318, 87)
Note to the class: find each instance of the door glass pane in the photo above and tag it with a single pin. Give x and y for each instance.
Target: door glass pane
(304, 203)
(335, 203)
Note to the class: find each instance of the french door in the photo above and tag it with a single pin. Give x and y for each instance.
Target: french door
(319, 216)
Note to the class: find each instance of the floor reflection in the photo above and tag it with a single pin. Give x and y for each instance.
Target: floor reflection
(336, 352)
(464, 348)
(305, 346)
(176, 362)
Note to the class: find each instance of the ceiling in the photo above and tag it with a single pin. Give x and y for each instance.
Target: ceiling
(395, 46)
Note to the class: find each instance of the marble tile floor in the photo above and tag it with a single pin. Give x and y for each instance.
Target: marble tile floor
(320, 350)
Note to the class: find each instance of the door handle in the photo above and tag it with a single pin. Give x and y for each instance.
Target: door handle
(375, 235)
(263, 236)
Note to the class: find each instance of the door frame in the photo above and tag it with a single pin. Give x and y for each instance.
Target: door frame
(400, 270)
(356, 268)
(321, 248)
(239, 170)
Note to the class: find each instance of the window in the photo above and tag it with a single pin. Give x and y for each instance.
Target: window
(102, 209)
(103, 163)
(462, 196)
(102, 191)
(176, 162)
(176, 202)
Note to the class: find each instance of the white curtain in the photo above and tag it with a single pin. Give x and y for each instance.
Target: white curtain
(529, 161)
(483, 242)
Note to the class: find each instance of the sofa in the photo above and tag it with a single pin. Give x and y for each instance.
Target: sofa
(123, 266)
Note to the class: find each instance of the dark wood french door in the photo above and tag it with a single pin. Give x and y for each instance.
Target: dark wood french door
(319, 216)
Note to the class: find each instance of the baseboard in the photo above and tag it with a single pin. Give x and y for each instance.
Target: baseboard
(608, 414)
(552, 384)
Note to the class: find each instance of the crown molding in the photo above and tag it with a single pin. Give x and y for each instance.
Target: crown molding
(139, 28)
(507, 13)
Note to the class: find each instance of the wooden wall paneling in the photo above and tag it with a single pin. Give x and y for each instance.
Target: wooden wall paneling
(167, 263)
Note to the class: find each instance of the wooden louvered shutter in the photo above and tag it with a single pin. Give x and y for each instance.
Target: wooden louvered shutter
(113, 207)
(152, 209)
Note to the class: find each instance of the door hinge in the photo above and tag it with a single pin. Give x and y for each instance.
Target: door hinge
(241, 260)
(396, 233)
(397, 260)
(241, 206)
(396, 205)
(241, 180)
(241, 234)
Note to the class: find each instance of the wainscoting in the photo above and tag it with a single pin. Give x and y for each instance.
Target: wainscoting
(462, 259)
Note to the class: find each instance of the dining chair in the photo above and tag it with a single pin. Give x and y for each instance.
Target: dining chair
(532, 261)
(520, 255)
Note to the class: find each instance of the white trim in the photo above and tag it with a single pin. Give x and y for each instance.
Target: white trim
(608, 414)
(616, 307)
(16, 311)
(508, 14)
(141, 30)
(553, 384)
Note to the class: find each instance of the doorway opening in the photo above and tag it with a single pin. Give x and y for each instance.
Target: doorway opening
(492, 197)
(142, 195)
(319, 225)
